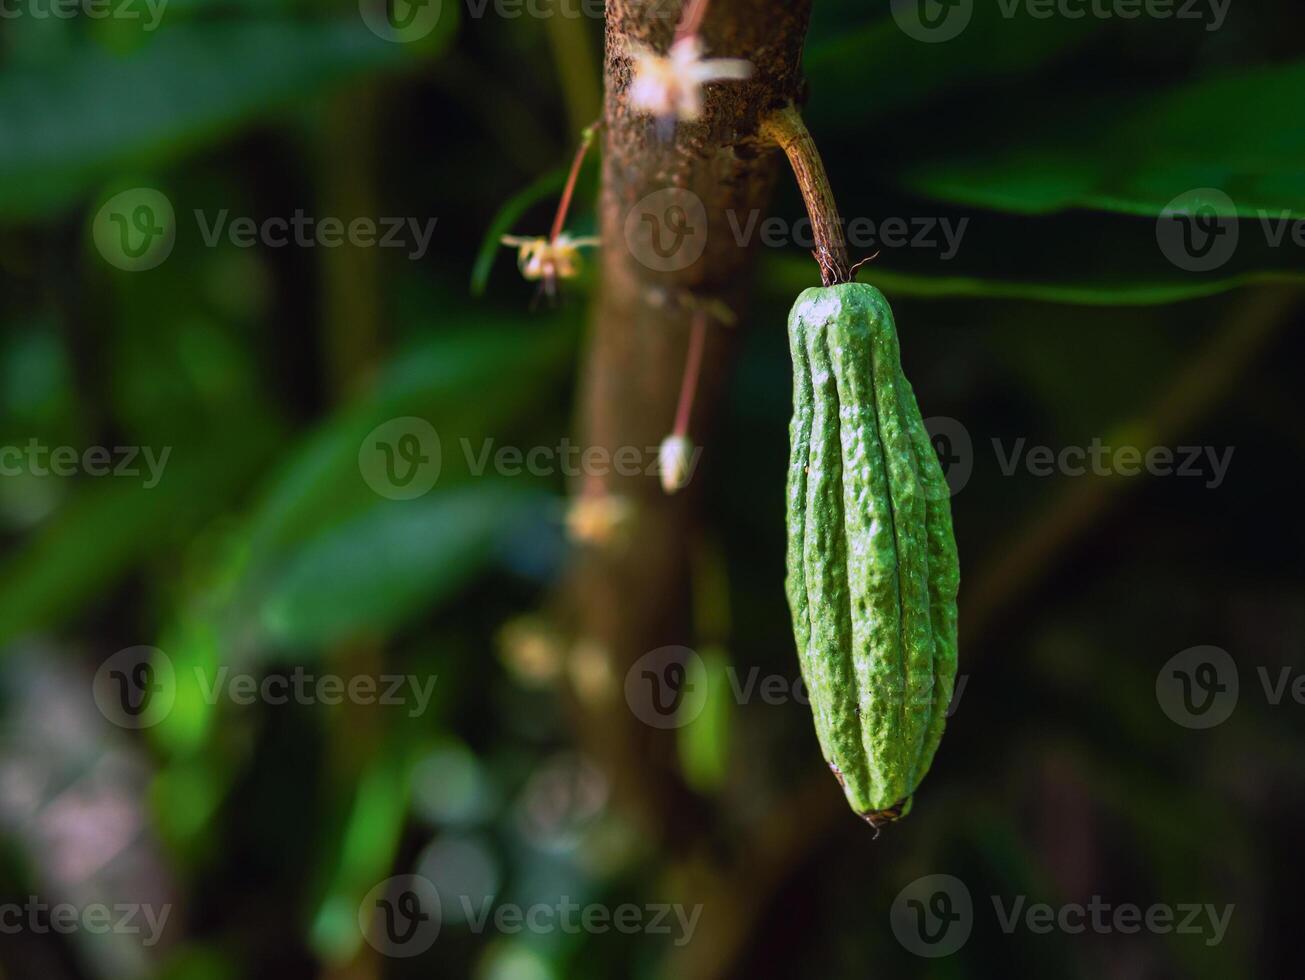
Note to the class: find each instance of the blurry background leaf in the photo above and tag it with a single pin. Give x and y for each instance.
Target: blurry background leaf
(64, 128)
(1137, 154)
(704, 741)
(395, 559)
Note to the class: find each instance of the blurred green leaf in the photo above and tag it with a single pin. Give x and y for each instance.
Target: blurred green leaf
(364, 852)
(398, 558)
(465, 382)
(704, 741)
(865, 72)
(113, 522)
(65, 126)
(1085, 282)
(1136, 154)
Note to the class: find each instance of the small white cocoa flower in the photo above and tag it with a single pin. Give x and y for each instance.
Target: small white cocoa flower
(539, 258)
(670, 86)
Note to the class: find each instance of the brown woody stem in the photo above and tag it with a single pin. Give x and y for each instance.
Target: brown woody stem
(786, 128)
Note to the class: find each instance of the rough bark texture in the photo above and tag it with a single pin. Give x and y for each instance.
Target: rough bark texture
(634, 598)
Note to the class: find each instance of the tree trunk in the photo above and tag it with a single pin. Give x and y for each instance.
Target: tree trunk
(666, 197)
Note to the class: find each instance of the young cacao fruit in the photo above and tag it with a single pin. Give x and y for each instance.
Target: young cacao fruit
(872, 566)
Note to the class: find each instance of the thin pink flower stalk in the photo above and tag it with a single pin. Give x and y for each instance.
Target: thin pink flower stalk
(677, 453)
(547, 260)
(692, 370)
(691, 19)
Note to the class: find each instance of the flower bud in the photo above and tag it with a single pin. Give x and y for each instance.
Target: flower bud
(676, 458)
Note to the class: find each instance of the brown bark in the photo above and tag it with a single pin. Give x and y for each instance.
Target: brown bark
(632, 598)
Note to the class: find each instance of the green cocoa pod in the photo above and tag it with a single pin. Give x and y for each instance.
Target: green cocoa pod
(872, 567)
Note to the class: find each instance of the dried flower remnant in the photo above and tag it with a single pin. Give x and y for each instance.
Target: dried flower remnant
(590, 670)
(669, 87)
(598, 518)
(531, 649)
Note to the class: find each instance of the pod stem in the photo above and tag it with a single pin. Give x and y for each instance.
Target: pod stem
(786, 128)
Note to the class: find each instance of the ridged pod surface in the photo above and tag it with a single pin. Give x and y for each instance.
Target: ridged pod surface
(872, 567)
